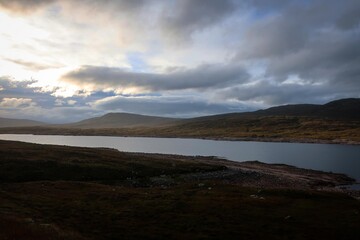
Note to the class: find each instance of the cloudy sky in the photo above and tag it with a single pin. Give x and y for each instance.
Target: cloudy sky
(63, 60)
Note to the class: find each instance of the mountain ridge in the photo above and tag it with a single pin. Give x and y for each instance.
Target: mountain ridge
(121, 120)
(346, 109)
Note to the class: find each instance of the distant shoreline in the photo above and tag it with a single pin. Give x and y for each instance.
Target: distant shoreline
(89, 132)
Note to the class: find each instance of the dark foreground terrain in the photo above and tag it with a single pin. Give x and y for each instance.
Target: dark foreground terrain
(58, 192)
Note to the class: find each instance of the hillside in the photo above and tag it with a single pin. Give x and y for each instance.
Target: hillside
(334, 122)
(121, 120)
(8, 122)
(337, 121)
(340, 109)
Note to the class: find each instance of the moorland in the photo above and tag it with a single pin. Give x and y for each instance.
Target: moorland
(334, 122)
(60, 192)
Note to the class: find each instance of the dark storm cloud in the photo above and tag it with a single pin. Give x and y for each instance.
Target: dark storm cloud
(182, 18)
(350, 17)
(298, 25)
(202, 77)
(334, 60)
(286, 31)
(317, 41)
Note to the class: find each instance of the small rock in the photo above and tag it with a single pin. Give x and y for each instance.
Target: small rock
(201, 184)
(209, 188)
(287, 217)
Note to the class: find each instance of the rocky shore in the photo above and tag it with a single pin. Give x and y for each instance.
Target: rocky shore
(258, 174)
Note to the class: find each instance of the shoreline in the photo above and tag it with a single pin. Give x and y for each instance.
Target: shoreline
(267, 175)
(236, 139)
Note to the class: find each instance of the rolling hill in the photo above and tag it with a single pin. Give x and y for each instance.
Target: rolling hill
(122, 120)
(9, 122)
(340, 109)
(334, 122)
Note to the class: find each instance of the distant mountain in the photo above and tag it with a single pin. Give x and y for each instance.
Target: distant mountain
(343, 108)
(340, 109)
(334, 122)
(8, 122)
(122, 120)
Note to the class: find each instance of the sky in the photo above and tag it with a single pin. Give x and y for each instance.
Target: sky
(64, 61)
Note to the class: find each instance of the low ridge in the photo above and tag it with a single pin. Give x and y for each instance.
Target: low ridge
(9, 122)
(340, 109)
(343, 108)
(122, 120)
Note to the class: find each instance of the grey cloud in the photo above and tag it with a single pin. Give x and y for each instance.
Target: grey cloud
(334, 60)
(32, 65)
(316, 41)
(166, 106)
(124, 5)
(45, 107)
(268, 4)
(277, 94)
(52, 115)
(286, 31)
(350, 18)
(178, 19)
(66, 114)
(184, 17)
(290, 30)
(202, 77)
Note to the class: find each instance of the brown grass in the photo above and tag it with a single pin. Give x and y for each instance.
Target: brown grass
(110, 203)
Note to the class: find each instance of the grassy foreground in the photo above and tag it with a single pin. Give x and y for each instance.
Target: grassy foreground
(58, 192)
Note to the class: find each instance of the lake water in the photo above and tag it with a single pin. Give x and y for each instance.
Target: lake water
(325, 157)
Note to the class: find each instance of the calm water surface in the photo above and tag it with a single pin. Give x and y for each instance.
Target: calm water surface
(325, 157)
